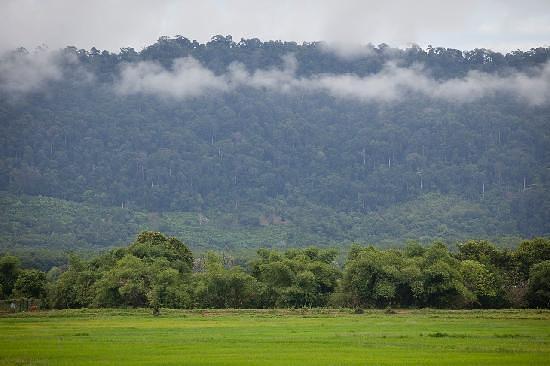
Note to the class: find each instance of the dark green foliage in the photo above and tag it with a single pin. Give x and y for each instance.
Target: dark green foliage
(292, 169)
(30, 283)
(538, 291)
(9, 270)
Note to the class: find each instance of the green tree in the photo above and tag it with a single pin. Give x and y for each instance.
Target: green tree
(538, 290)
(219, 287)
(74, 288)
(150, 244)
(126, 284)
(372, 277)
(169, 288)
(30, 283)
(480, 281)
(299, 277)
(9, 271)
(478, 250)
(442, 283)
(531, 252)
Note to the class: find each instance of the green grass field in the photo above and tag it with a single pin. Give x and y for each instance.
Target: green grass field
(278, 337)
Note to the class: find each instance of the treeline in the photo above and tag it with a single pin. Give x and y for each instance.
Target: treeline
(314, 57)
(157, 271)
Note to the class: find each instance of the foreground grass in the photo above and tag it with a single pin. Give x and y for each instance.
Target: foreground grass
(265, 337)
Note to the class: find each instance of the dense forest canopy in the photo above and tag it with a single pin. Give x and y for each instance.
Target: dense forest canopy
(328, 145)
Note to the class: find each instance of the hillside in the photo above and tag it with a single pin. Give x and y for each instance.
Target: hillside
(275, 143)
(30, 222)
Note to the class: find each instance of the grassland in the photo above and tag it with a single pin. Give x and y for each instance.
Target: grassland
(315, 337)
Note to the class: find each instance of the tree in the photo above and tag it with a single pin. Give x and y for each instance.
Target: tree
(30, 283)
(299, 277)
(74, 288)
(219, 287)
(9, 270)
(479, 250)
(372, 277)
(479, 281)
(442, 283)
(531, 252)
(150, 245)
(127, 283)
(538, 290)
(169, 288)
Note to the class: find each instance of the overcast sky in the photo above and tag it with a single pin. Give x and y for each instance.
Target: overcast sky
(501, 25)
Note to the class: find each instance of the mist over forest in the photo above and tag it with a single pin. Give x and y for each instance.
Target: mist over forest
(240, 144)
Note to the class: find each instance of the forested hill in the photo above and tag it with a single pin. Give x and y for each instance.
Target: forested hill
(318, 142)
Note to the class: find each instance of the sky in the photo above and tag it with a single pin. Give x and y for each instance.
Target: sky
(501, 25)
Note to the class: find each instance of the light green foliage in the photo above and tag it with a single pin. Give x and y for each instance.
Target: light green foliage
(169, 288)
(126, 284)
(155, 271)
(152, 245)
(531, 252)
(417, 276)
(74, 287)
(371, 277)
(30, 283)
(478, 279)
(441, 279)
(220, 287)
(479, 250)
(297, 278)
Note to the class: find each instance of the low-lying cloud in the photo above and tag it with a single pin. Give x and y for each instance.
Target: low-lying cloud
(23, 72)
(188, 78)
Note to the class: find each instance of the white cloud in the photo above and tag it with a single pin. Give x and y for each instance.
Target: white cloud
(347, 50)
(188, 78)
(22, 72)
